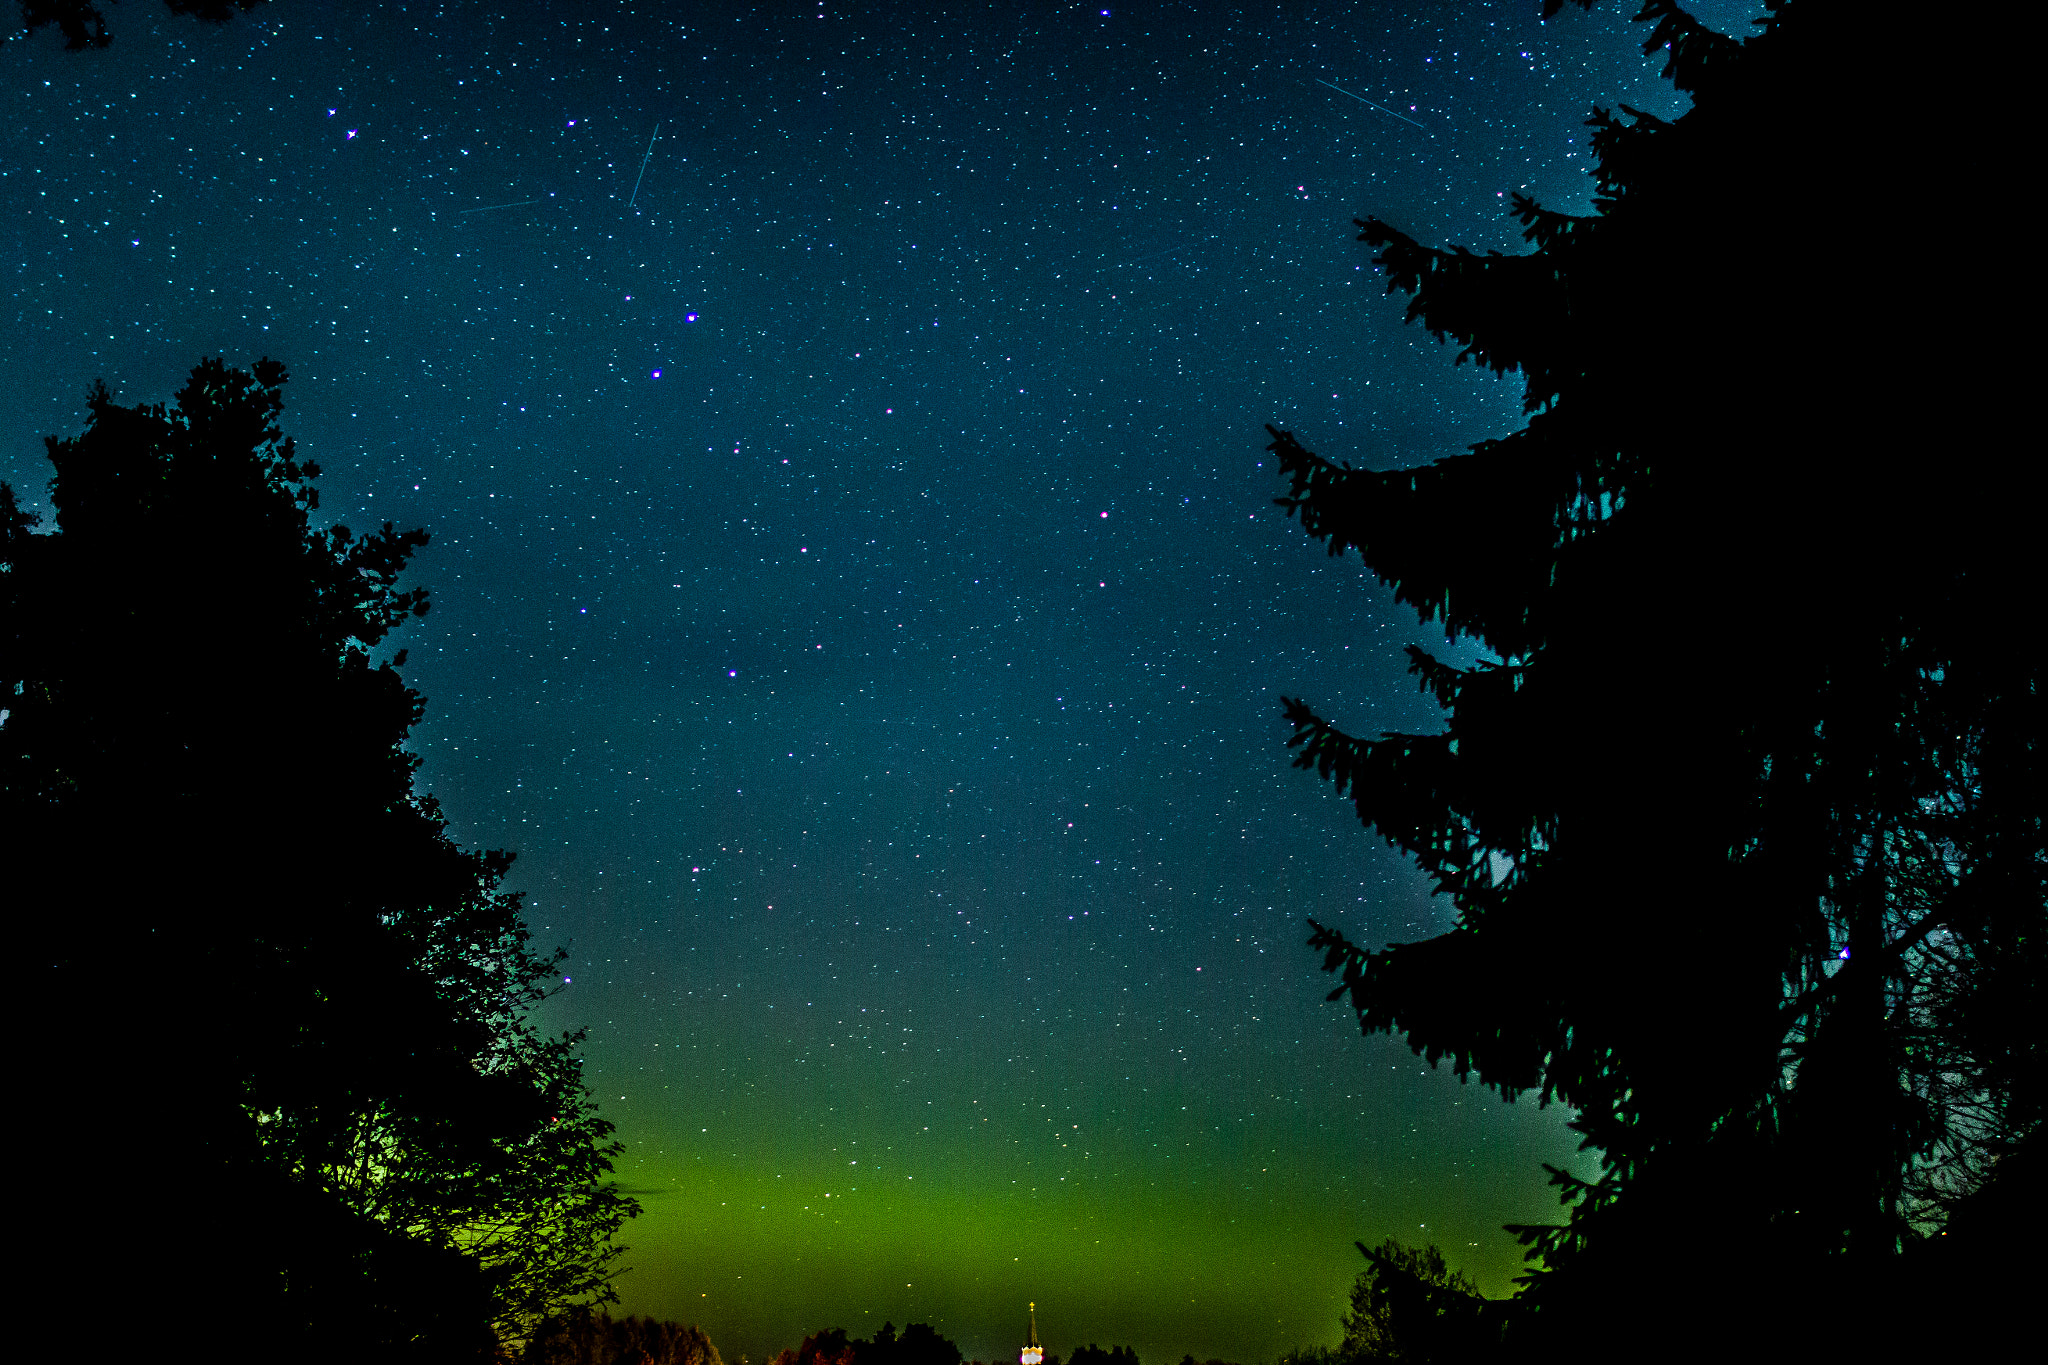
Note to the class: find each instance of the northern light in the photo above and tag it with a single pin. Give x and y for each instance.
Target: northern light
(858, 596)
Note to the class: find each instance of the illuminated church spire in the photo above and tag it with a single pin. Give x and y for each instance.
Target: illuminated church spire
(1032, 1353)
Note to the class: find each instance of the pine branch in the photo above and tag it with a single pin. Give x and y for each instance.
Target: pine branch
(1624, 153)
(1456, 997)
(1516, 503)
(1698, 56)
(1506, 312)
(1547, 228)
(1405, 786)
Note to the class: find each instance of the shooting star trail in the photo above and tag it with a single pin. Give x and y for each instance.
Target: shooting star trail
(488, 207)
(650, 153)
(1363, 100)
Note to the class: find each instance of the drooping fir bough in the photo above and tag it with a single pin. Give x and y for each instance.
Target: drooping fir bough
(1742, 812)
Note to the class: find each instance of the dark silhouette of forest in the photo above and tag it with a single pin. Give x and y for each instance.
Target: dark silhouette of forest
(583, 1337)
(1092, 1354)
(917, 1344)
(285, 1016)
(1740, 807)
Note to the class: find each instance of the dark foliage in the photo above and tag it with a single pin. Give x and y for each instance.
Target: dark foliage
(1742, 812)
(84, 24)
(1407, 1306)
(281, 1014)
(581, 1337)
(918, 1344)
(829, 1347)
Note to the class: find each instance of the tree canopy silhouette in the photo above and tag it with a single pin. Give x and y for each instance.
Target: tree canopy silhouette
(1741, 807)
(285, 1017)
(917, 1344)
(84, 24)
(1091, 1354)
(582, 1337)
(1407, 1306)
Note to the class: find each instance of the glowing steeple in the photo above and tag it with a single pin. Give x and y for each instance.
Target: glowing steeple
(1032, 1353)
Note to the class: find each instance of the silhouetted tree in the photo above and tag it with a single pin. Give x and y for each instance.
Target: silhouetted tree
(829, 1347)
(1741, 807)
(289, 1014)
(921, 1344)
(917, 1344)
(1408, 1306)
(84, 24)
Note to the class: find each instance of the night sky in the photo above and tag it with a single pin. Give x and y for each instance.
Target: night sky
(858, 595)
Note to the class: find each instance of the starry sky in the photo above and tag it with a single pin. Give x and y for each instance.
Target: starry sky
(858, 595)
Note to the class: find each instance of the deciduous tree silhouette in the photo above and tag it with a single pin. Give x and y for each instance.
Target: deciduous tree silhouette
(1742, 810)
(918, 1344)
(84, 24)
(283, 1018)
(1407, 1306)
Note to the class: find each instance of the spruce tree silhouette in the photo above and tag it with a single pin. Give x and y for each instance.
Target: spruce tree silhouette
(1742, 816)
(282, 1017)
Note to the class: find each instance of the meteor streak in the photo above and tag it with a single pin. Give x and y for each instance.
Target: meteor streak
(1363, 100)
(650, 153)
(488, 207)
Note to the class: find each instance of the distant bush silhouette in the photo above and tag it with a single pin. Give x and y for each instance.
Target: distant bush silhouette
(1741, 807)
